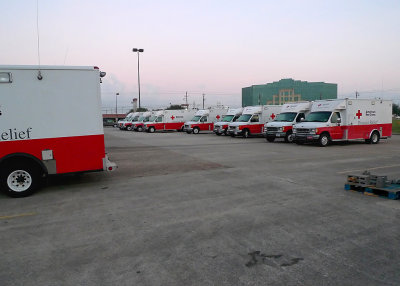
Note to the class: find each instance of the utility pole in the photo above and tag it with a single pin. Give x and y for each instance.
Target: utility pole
(357, 94)
(203, 99)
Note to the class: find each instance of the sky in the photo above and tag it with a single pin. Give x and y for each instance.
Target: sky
(210, 47)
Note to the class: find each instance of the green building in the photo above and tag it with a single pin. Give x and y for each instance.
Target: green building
(287, 90)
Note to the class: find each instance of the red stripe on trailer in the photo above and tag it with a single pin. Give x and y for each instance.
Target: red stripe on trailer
(166, 126)
(72, 154)
(253, 128)
(204, 126)
(357, 131)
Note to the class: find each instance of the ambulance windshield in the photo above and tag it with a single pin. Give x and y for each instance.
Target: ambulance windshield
(287, 116)
(141, 118)
(318, 116)
(196, 118)
(227, 118)
(135, 118)
(244, 118)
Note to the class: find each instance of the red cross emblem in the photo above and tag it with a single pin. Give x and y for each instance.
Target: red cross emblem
(218, 117)
(172, 117)
(273, 116)
(359, 114)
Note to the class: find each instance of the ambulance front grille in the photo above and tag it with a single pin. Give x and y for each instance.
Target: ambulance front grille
(272, 129)
(303, 131)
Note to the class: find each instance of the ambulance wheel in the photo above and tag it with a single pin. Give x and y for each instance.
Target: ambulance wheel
(151, 129)
(270, 138)
(289, 137)
(188, 132)
(246, 133)
(20, 179)
(196, 130)
(374, 138)
(129, 128)
(323, 140)
(140, 129)
(226, 132)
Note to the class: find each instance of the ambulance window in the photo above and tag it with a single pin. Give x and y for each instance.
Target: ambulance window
(300, 116)
(254, 118)
(203, 119)
(5, 77)
(335, 116)
(159, 119)
(235, 118)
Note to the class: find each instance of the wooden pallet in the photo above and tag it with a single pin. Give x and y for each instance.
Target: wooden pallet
(391, 192)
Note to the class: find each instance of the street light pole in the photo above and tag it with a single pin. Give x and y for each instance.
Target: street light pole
(135, 50)
(116, 107)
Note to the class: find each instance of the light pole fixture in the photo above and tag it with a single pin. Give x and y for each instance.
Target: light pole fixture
(138, 74)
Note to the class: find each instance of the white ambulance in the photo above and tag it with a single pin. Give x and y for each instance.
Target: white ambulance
(252, 120)
(169, 120)
(123, 121)
(145, 117)
(50, 123)
(290, 114)
(127, 125)
(221, 127)
(344, 120)
(204, 120)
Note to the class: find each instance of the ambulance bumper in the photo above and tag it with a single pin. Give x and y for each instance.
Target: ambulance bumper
(235, 132)
(275, 134)
(306, 137)
(218, 130)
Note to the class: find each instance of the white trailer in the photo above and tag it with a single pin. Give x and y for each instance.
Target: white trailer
(252, 120)
(345, 120)
(204, 120)
(290, 114)
(169, 120)
(127, 125)
(50, 123)
(221, 127)
(122, 122)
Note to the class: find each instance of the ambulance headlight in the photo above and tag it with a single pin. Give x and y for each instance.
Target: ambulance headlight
(313, 130)
(294, 130)
(280, 129)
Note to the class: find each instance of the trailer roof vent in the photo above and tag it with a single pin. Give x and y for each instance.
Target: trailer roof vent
(5, 77)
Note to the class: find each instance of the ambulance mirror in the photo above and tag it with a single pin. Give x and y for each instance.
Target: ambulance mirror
(339, 120)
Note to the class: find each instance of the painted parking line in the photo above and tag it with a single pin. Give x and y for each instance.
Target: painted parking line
(17, 215)
(368, 169)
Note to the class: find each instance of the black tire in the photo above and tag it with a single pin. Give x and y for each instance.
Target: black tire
(289, 137)
(375, 137)
(129, 128)
(218, 134)
(246, 133)
(20, 179)
(188, 132)
(226, 131)
(152, 129)
(140, 129)
(196, 130)
(270, 138)
(324, 140)
(232, 135)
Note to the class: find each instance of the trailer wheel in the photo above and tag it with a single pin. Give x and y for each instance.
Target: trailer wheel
(374, 138)
(270, 138)
(196, 130)
(246, 133)
(152, 129)
(289, 137)
(20, 179)
(323, 140)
